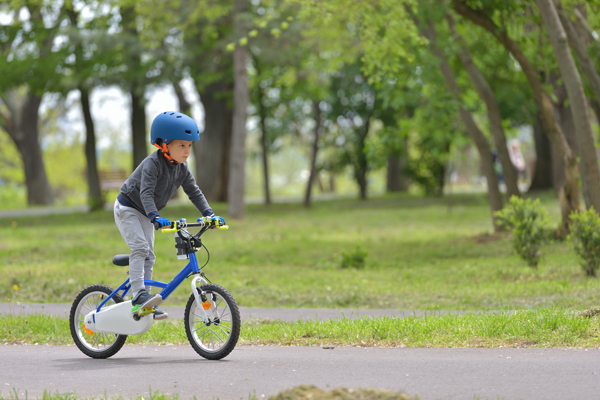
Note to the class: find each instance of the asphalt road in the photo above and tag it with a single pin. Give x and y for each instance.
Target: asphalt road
(527, 374)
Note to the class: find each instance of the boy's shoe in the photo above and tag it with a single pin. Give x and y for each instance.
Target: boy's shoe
(158, 314)
(145, 300)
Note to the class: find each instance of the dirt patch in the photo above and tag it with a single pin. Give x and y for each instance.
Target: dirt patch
(489, 237)
(309, 392)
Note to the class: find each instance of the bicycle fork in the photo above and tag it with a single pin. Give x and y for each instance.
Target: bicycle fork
(198, 297)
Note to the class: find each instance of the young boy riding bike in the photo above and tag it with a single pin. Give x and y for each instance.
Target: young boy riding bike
(148, 190)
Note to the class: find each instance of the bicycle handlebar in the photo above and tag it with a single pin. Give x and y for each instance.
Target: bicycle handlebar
(211, 224)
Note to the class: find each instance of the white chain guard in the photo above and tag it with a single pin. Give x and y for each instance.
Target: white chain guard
(118, 319)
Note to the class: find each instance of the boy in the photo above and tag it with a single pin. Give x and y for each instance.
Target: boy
(148, 190)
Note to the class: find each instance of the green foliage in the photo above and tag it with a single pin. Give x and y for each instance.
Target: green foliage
(355, 258)
(585, 238)
(526, 219)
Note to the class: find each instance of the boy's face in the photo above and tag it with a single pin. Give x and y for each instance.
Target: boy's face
(180, 150)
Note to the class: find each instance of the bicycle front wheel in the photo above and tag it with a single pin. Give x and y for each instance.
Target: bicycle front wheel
(215, 338)
(94, 344)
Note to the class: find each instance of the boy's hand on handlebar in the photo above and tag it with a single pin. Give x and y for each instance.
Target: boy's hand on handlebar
(217, 220)
(160, 222)
(213, 220)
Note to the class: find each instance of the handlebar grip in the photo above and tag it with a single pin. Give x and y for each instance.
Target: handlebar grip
(173, 228)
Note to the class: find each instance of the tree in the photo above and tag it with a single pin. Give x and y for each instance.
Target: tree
(134, 80)
(589, 162)
(493, 110)
(241, 99)
(80, 75)
(262, 113)
(569, 194)
(471, 127)
(30, 65)
(585, 62)
(201, 34)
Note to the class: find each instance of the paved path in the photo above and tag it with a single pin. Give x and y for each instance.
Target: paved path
(284, 314)
(528, 374)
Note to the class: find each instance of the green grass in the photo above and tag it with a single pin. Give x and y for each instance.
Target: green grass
(534, 328)
(421, 254)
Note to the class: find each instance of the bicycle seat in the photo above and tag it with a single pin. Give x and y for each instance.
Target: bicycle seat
(122, 260)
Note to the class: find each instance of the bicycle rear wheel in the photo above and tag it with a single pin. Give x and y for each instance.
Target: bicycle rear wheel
(215, 339)
(93, 344)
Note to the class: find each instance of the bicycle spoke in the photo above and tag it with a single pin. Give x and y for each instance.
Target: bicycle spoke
(219, 336)
(227, 332)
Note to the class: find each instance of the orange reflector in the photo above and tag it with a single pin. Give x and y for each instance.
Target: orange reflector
(206, 305)
(87, 330)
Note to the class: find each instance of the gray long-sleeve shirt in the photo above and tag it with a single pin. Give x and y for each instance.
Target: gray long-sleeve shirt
(155, 181)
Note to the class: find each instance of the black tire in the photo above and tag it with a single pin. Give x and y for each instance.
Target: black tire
(217, 339)
(95, 345)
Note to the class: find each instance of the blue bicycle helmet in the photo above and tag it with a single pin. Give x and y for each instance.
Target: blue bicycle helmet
(171, 125)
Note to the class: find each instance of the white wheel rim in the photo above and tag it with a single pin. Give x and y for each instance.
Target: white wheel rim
(97, 341)
(214, 337)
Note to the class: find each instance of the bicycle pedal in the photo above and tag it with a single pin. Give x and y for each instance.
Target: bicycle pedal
(137, 309)
(146, 311)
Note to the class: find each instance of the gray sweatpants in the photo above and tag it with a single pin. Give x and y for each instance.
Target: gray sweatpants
(138, 232)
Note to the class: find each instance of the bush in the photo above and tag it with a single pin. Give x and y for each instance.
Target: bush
(585, 237)
(354, 259)
(526, 220)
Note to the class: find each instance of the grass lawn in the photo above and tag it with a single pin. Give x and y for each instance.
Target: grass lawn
(435, 254)
(550, 327)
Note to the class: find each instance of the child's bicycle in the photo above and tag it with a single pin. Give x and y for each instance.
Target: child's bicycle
(100, 320)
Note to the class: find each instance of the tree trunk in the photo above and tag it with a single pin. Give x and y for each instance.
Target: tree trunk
(95, 199)
(396, 179)
(138, 124)
(595, 105)
(542, 174)
(212, 151)
(184, 106)
(313, 158)
(587, 65)
(241, 99)
(493, 111)
(262, 112)
(360, 169)
(590, 172)
(22, 126)
(483, 147)
(569, 195)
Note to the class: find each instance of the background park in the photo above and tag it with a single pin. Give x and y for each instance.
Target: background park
(408, 155)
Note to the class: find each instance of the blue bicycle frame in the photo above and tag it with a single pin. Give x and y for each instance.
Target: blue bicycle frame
(167, 288)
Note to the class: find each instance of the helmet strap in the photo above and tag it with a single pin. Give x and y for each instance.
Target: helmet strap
(165, 151)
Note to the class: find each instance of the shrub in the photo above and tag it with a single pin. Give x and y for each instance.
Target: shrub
(354, 258)
(526, 219)
(585, 237)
